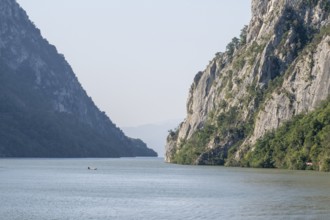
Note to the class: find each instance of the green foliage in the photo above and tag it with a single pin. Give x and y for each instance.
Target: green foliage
(311, 2)
(190, 150)
(237, 42)
(325, 5)
(299, 146)
(231, 152)
(253, 51)
(227, 121)
(239, 63)
(228, 126)
(230, 85)
(173, 133)
(223, 104)
(243, 35)
(226, 81)
(324, 31)
(232, 46)
(262, 156)
(256, 94)
(304, 139)
(300, 34)
(325, 165)
(228, 94)
(237, 81)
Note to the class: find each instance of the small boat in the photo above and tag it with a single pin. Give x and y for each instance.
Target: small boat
(91, 168)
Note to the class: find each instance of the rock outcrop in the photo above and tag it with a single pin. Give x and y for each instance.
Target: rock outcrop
(278, 68)
(44, 110)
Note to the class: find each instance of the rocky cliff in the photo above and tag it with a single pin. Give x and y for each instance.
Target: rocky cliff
(44, 111)
(276, 69)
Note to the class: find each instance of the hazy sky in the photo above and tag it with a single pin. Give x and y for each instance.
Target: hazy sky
(137, 58)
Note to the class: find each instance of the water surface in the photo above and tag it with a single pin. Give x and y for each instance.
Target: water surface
(142, 188)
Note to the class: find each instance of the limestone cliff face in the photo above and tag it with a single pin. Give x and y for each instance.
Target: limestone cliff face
(44, 110)
(278, 68)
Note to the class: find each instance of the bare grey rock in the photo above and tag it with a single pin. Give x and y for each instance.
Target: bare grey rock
(282, 70)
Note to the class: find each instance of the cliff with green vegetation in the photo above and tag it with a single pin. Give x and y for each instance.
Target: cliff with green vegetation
(273, 77)
(44, 111)
(302, 142)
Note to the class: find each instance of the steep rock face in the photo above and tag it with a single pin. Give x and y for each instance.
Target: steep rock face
(277, 69)
(301, 92)
(44, 105)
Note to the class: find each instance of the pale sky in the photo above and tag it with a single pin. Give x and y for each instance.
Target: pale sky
(137, 58)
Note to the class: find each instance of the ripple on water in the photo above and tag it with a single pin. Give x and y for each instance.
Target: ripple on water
(129, 189)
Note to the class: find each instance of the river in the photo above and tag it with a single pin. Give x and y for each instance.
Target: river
(148, 188)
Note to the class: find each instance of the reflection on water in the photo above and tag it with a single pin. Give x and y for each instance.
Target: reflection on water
(150, 189)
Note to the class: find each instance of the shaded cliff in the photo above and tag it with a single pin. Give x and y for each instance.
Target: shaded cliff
(276, 69)
(44, 111)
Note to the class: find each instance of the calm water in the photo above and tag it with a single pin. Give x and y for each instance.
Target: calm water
(125, 189)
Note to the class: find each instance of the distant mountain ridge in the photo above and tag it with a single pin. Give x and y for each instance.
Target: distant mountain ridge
(44, 111)
(154, 134)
